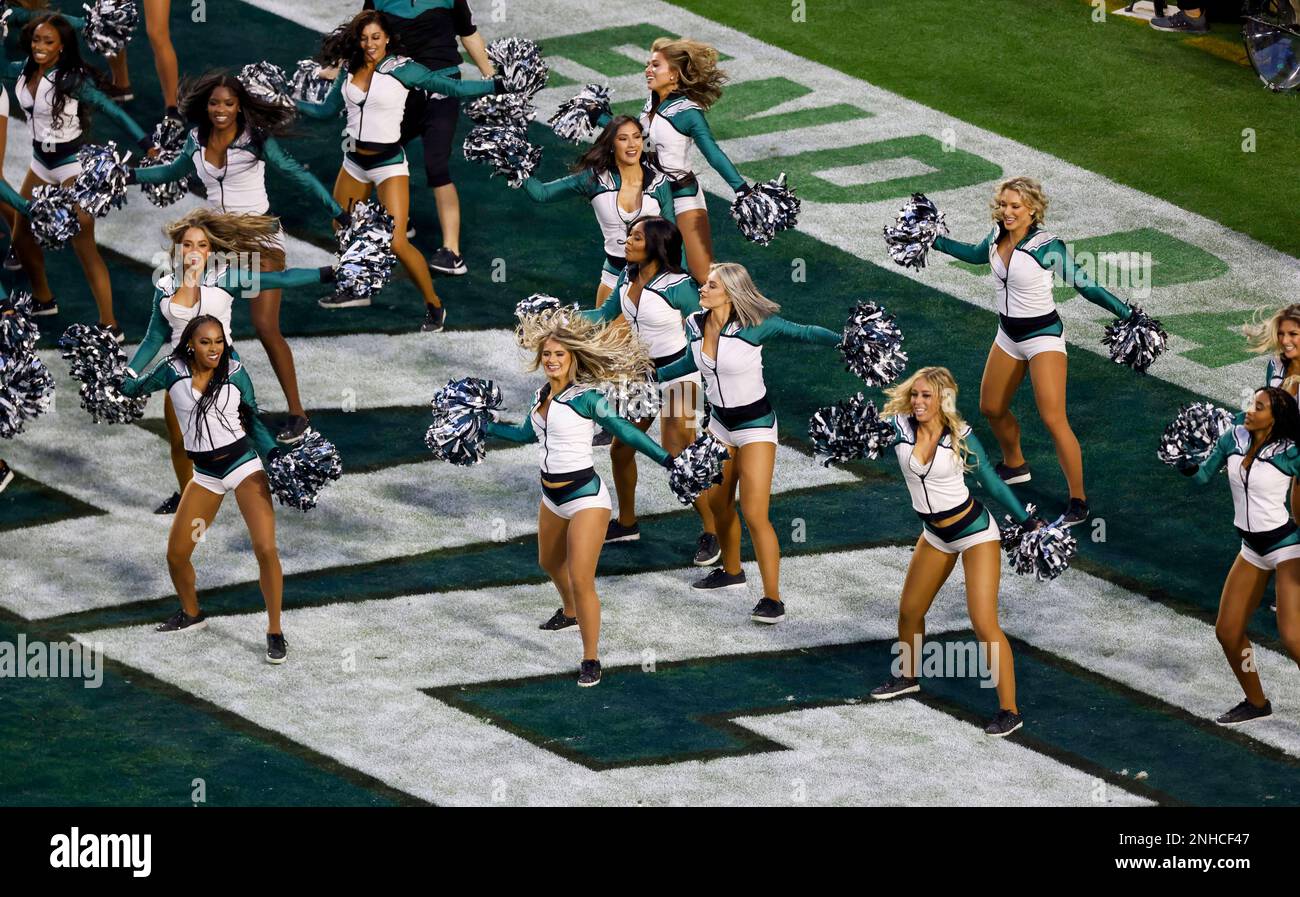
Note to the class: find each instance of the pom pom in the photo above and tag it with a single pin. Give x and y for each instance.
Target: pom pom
(460, 411)
(169, 138)
(307, 84)
(632, 399)
(502, 111)
(697, 467)
(519, 63)
(268, 82)
(506, 149)
(109, 24)
(53, 216)
(1191, 435)
(1137, 341)
(1041, 550)
(297, 475)
(913, 232)
(766, 210)
(576, 118)
(538, 303)
(18, 330)
(872, 345)
(26, 386)
(848, 430)
(96, 359)
(101, 185)
(365, 251)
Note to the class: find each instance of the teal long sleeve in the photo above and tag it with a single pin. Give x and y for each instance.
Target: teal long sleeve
(970, 253)
(992, 483)
(679, 368)
(292, 169)
(162, 376)
(776, 326)
(692, 123)
(562, 188)
(12, 197)
(263, 441)
(329, 107)
(412, 74)
(156, 336)
(521, 432)
(176, 170)
(594, 406)
(249, 283)
(1056, 256)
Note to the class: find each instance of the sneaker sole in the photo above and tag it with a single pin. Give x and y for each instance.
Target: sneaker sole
(1181, 30)
(1069, 523)
(588, 684)
(1006, 733)
(708, 562)
(351, 303)
(632, 538)
(193, 627)
(16, 266)
(768, 620)
(1241, 722)
(293, 440)
(450, 272)
(1018, 478)
(6, 480)
(896, 694)
(734, 585)
(276, 661)
(41, 311)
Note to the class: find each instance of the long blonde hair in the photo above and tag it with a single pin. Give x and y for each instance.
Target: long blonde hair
(1030, 190)
(696, 64)
(600, 353)
(748, 305)
(941, 381)
(1263, 335)
(231, 232)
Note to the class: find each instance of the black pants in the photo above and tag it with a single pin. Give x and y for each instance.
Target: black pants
(435, 121)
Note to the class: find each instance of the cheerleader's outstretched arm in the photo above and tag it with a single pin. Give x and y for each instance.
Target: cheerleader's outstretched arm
(329, 107)
(292, 169)
(162, 376)
(970, 253)
(1055, 255)
(692, 123)
(994, 484)
(412, 74)
(594, 406)
(263, 441)
(155, 337)
(1214, 463)
(521, 432)
(177, 169)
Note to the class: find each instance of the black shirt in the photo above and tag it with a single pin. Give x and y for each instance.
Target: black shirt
(428, 29)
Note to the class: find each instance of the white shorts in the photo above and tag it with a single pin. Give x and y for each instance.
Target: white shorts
(1272, 559)
(56, 175)
(989, 533)
(598, 500)
(689, 203)
(378, 174)
(1027, 349)
(609, 275)
(231, 480)
(741, 435)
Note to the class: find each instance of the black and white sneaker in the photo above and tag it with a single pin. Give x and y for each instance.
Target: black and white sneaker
(1075, 513)
(559, 621)
(768, 611)
(720, 579)
(294, 429)
(1013, 475)
(617, 532)
(6, 475)
(182, 622)
(1004, 724)
(435, 318)
(277, 649)
(589, 673)
(896, 687)
(343, 300)
(11, 261)
(708, 551)
(1245, 712)
(1180, 21)
(445, 261)
(170, 505)
(44, 309)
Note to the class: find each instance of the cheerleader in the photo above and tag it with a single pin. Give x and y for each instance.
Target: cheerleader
(576, 355)
(52, 84)
(198, 240)
(1262, 456)
(1279, 338)
(653, 294)
(684, 81)
(935, 449)
(373, 84)
(1030, 336)
(213, 398)
(230, 145)
(725, 343)
(622, 185)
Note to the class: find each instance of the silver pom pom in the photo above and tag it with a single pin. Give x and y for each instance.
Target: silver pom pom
(913, 232)
(502, 111)
(576, 118)
(307, 84)
(26, 387)
(297, 475)
(872, 345)
(1037, 548)
(365, 251)
(1191, 435)
(632, 399)
(766, 210)
(109, 24)
(849, 430)
(268, 82)
(697, 468)
(506, 149)
(53, 216)
(1137, 341)
(519, 63)
(538, 303)
(18, 330)
(460, 411)
(101, 185)
(96, 359)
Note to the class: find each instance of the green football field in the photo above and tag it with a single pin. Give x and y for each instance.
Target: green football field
(417, 674)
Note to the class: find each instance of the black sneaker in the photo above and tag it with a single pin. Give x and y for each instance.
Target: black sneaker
(277, 649)
(1013, 475)
(896, 686)
(445, 261)
(1180, 21)
(1075, 513)
(768, 611)
(118, 94)
(294, 429)
(170, 505)
(182, 622)
(617, 532)
(1004, 724)
(720, 579)
(435, 318)
(343, 300)
(1245, 712)
(589, 673)
(558, 621)
(6, 476)
(602, 437)
(43, 309)
(117, 333)
(708, 551)
(11, 261)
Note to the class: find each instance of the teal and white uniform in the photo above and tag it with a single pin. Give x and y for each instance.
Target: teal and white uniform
(1275, 373)
(1260, 495)
(1028, 322)
(602, 190)
(564, 445)
(734, 380)
(224, 454)
(670, 128)
(375, 115)
(939, 490)
(15, 17)
(657, 316)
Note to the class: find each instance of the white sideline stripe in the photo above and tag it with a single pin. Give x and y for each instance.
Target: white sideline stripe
(376, 720)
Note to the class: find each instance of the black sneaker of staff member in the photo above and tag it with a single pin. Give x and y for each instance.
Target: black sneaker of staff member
(617, 532)
(558, 621)
(445, 261)
(768, 611)
(1013, 475)
(170, 505)
(435, 318)
(708, 551)
(589, 673)
(1181, 21)
(277, 649)
(720, 579)
(182, 622)
(1245, 712)
(896, 686)
(1004, 724)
